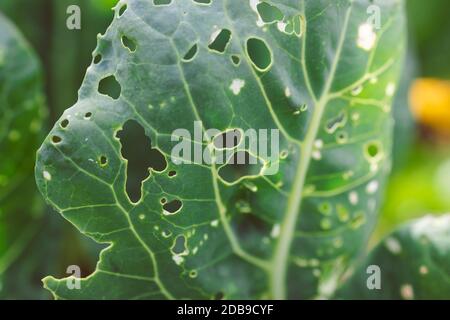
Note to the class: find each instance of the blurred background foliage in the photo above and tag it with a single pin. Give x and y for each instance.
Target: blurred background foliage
(420, 180)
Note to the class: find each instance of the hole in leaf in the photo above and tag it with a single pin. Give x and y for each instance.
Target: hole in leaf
(137, 149)
(179, 245)
(269, 13)
(228, 140)
(97, 58)
(88, 115)
(122, 10)
(172, 173)
(64, 123)
(163, 200)
(203, 1)
(336, 123)
(110, 87)
(240, 165)
(172, 207)
(103, 161)
(259, 53)
(342, 137)
(220, 40)
(193, 274)
(162, 2)
(298, 25)
(373, 150)
(129, 43)
(56, 139)
(167, 233)
(235, 59)
(190, 55)
(325, 208)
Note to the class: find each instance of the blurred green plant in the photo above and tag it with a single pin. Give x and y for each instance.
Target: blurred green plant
(413, 263)
(429, 27)
(421, 148)
(64, 53)
(27, 231)
(22, 112)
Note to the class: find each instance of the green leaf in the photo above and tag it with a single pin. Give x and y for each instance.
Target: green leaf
(323, 77)
(413, 261)
(21, 116)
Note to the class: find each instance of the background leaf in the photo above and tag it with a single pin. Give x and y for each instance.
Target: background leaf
(21, 116)
(414, 263)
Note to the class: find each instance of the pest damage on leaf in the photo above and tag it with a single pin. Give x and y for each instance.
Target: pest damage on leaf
(172, 207)
(269, 13)
(259, 54)
(190, 55)
(156, 157)
(220, 40)
(140, 159)
(240, 165)
(110, 86)
(162, 2)
(129, 43)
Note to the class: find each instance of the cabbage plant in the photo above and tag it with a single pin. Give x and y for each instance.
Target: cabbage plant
(322, 73)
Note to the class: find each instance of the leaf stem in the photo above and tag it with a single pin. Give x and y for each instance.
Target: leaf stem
(281, 255)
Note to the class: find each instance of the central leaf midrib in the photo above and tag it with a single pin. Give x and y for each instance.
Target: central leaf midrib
(281, 254)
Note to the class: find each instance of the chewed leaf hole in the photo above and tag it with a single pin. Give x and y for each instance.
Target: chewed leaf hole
(163, 200)
(110, 87)
(190, 55)
(298, 25)
(97, 58)
(162, 2)
(235, 59)
(64, 123)
(336, 123)
(141, 157)
(240, 165)
(373, 150)
(341, 137)
(179, 245)
(295, 25)
(129, 43)
(103, 161)
(172, 174)
(220, 40)
(122, 10)
(193, 274)
(325, 208)
(269, 13)
(88, 115)
(172, 207)
(259, 53)
(228, 140)
(56, 139)
(203, 1)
